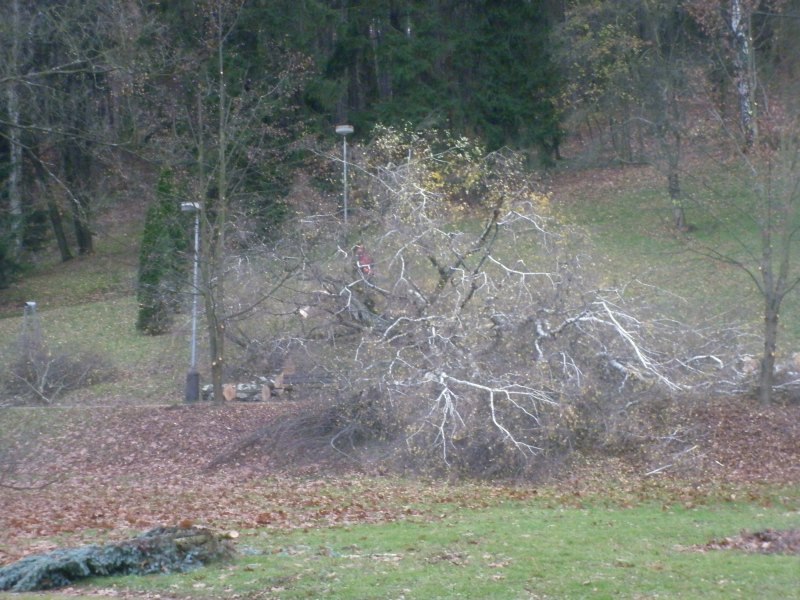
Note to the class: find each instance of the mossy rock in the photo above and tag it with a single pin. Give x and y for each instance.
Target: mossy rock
(160, 550)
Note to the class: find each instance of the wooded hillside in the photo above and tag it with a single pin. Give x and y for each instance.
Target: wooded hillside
(88, 88)
(221, 114)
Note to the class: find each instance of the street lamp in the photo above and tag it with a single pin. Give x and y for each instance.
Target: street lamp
(344, 131)
(32, 331)
(193, 377)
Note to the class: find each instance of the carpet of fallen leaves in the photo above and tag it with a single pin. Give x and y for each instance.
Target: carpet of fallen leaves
(738, 440)
(108, 473)
(768, 541)
(111, 472)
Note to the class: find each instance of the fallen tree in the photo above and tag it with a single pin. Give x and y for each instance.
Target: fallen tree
(483, 339)
(160, 550)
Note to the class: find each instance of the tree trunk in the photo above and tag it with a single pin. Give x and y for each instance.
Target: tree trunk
(743, 69)
(53, 209)
(674, 187)
(216, 345)
(767, 374)
(621, 136)
(671, 146)
(214, 275)
(15, 147)
(57, 223)
(77, 173)
(80, 222)
(383, 80)
(217, 323)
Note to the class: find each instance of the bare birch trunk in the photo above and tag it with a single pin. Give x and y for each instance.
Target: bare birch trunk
(15, 147)
(743, 70)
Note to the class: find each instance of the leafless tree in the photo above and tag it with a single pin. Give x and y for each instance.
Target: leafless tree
(755, 213)
(755, 188)
(466, 342)
(217, 130)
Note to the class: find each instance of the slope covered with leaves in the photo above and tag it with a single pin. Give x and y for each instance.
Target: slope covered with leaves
(110, 472)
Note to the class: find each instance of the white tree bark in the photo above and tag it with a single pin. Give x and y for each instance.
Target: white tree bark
(743, 69)
(15, 146)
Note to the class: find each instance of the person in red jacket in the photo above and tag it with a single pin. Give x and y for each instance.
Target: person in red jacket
(364, 262)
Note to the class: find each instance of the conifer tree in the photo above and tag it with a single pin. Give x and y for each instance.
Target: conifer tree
(475, 67)
(162, 260)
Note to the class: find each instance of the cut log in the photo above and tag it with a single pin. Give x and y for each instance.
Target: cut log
(277, 384)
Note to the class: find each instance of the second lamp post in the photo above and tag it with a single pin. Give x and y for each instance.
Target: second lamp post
(193, 376)
(344, 131)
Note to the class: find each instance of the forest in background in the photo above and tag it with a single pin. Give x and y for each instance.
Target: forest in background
(92, 91)
(458, 108)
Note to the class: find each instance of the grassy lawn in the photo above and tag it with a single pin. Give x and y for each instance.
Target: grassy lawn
(88, 305)
(146, 368)
(631, 226)
(539, 548)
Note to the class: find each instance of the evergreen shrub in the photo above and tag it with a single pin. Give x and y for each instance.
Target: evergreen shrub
(162, 260)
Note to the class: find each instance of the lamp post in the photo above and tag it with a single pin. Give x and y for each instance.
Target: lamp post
(344, 131)
(193, 377)
(32, 331)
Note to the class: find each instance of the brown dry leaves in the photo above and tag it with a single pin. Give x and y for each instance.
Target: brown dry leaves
(125, 469)
(768, 541)
(744, 442)
(122, 470)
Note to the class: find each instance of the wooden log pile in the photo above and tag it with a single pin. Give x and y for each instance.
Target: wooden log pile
(252, 391)
(264, 389)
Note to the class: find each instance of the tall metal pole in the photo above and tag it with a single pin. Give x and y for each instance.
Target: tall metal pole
(195, 283)
(344, 176)
(344, 131)
(193, 376)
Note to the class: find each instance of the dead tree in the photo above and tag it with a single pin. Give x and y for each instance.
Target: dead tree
(473, 344)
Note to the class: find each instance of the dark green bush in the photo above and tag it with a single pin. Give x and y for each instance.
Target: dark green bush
(9, 267)
(162, 260)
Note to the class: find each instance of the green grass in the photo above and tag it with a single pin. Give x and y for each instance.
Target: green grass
(632, 228)
(55, 284)
(517, 549)
(88, 305)
(147, 368)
